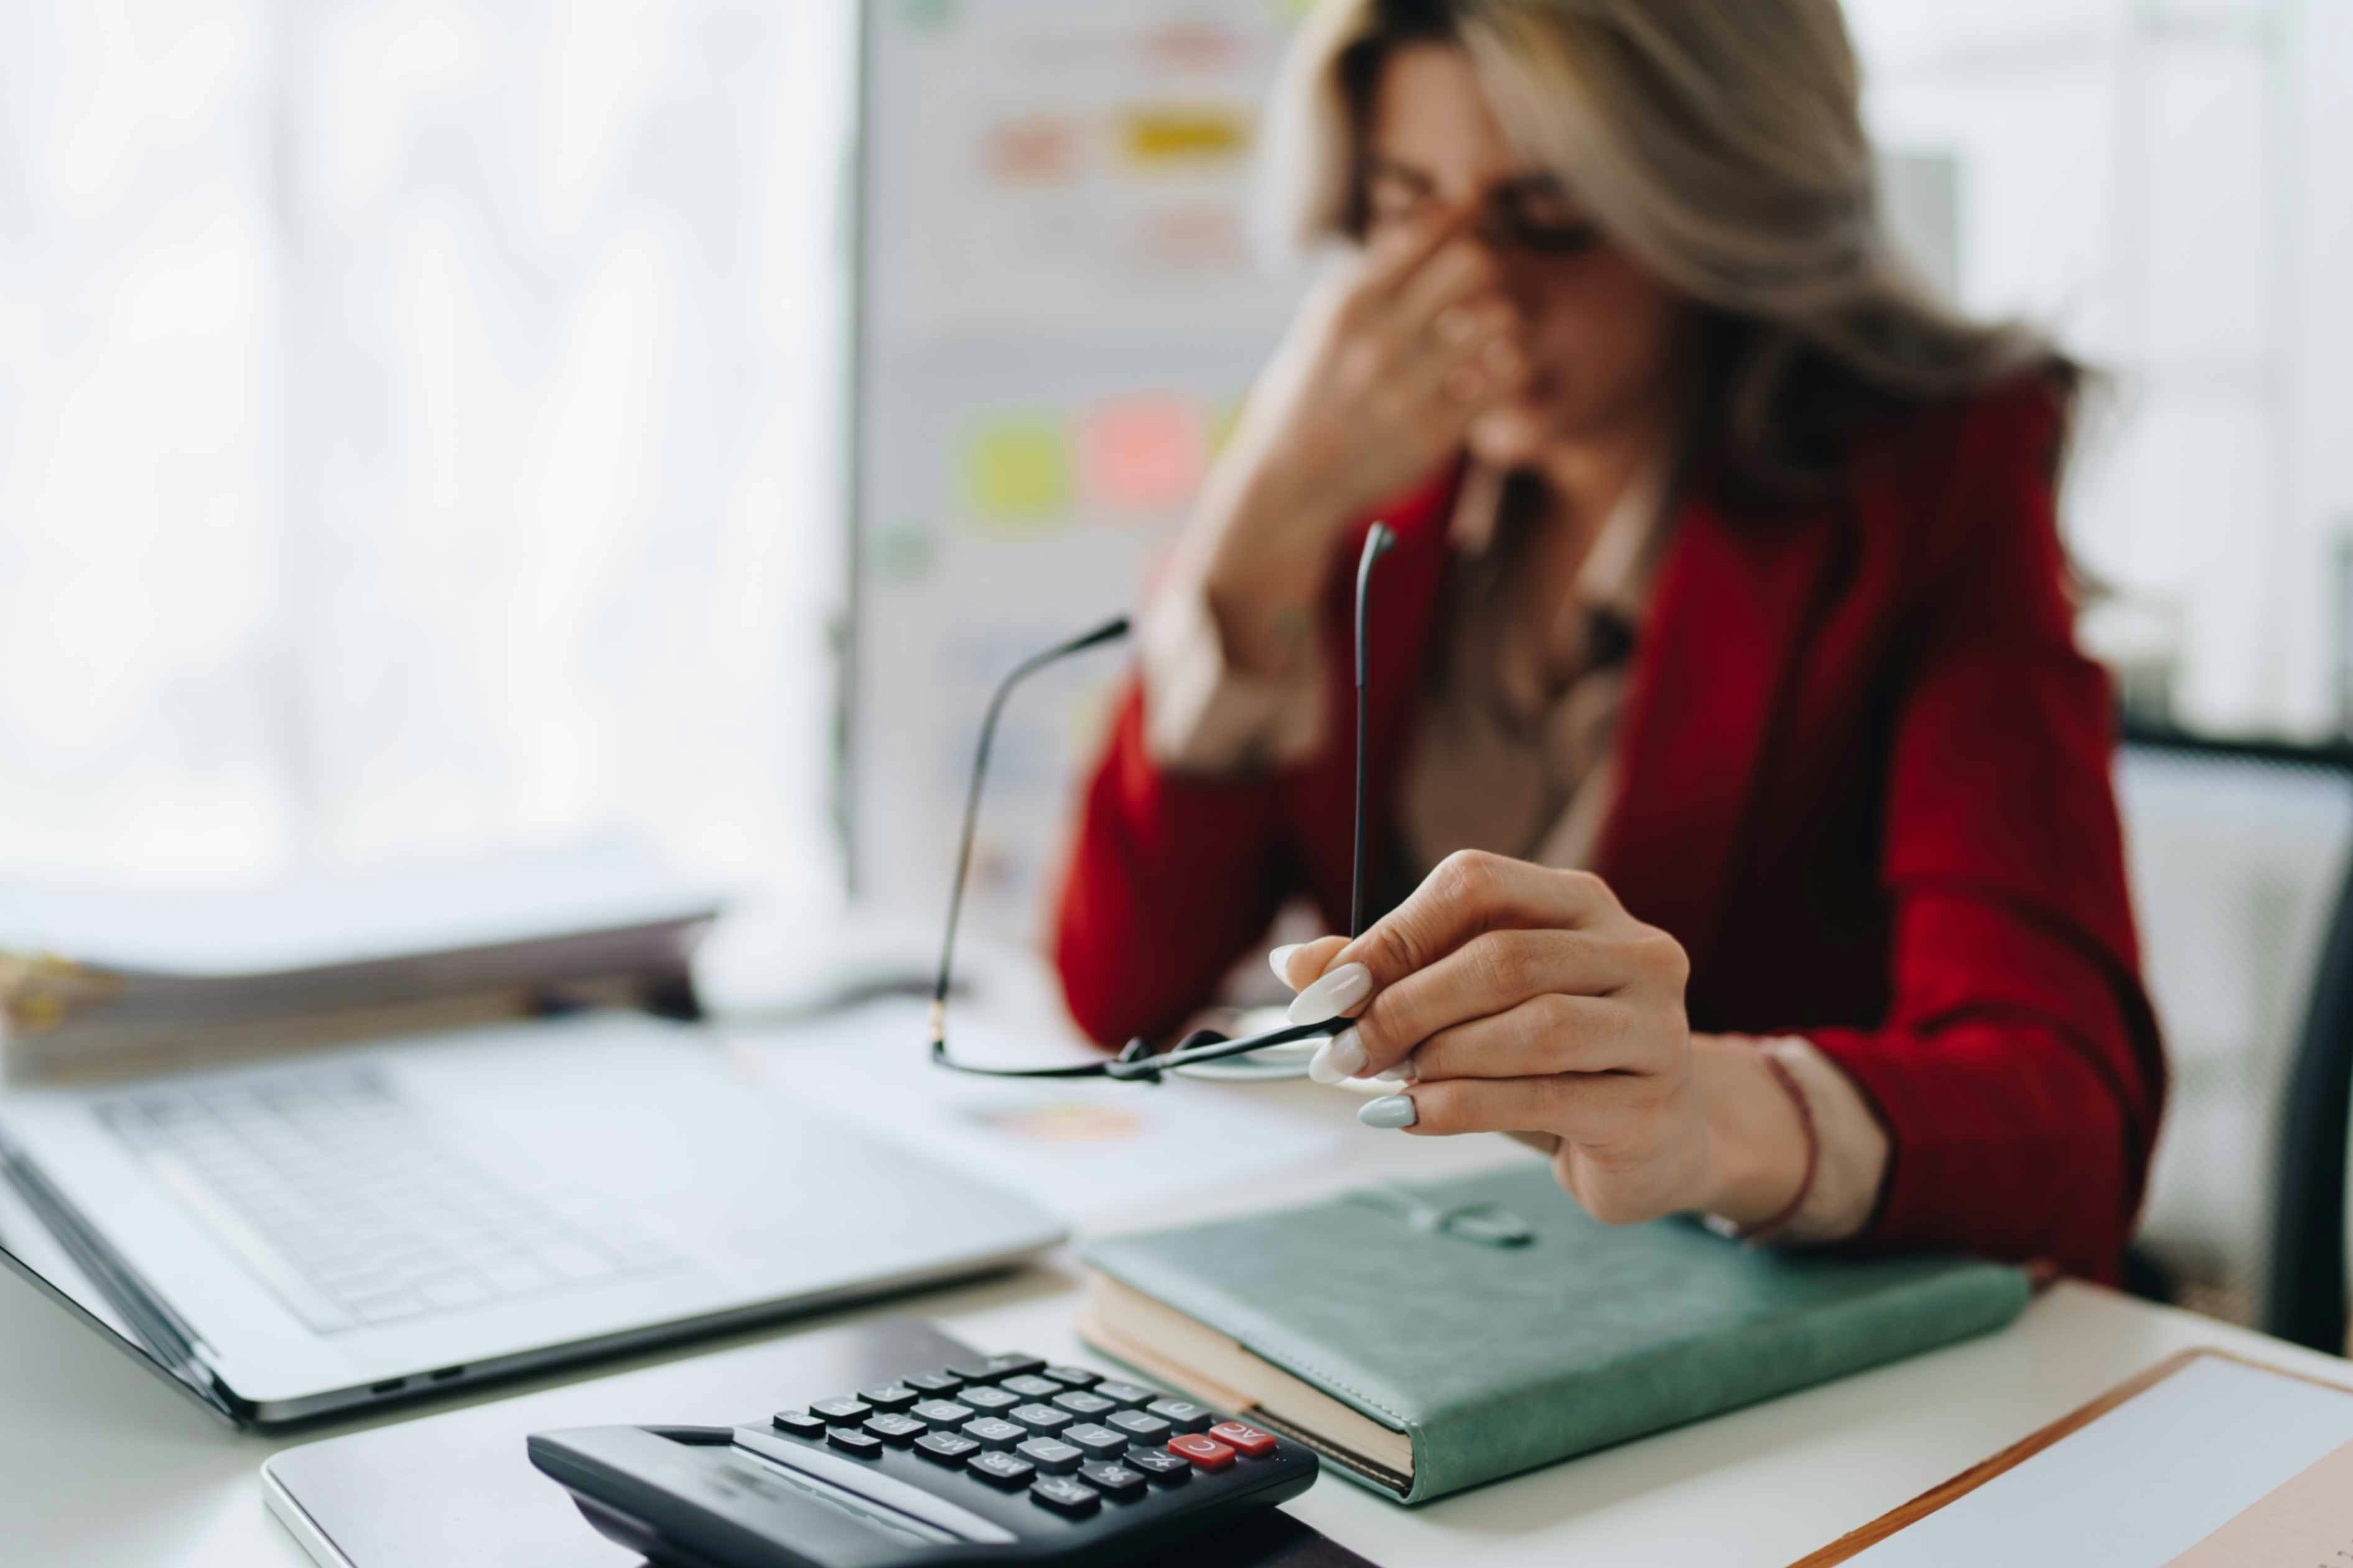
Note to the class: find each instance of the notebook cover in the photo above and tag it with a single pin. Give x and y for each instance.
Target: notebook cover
(1498, 1359)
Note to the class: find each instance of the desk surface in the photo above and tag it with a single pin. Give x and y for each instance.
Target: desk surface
(101, 1464)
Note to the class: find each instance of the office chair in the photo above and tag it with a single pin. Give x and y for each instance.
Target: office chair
(2305, 1298)
(2242, 858)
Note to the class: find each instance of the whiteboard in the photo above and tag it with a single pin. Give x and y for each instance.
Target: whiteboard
(1059, 312)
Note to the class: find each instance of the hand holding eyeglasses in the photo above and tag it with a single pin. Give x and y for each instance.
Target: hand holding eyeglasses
(1508, 997)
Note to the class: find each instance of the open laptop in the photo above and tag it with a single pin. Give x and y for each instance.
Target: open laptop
(307, 1236)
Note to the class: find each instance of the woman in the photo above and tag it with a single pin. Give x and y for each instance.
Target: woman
(1746, 795)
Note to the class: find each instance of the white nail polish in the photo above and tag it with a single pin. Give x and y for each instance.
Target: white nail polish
(1404, 1072)
(1337, 1059)
(1279, 960)
(1339, 990)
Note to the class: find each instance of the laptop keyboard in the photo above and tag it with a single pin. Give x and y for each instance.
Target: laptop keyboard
(345, 1202)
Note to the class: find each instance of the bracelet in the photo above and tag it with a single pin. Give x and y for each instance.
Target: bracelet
(1789, 1211)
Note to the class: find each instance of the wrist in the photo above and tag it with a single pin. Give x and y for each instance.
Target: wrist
(1268, 551)
(1760, 1150)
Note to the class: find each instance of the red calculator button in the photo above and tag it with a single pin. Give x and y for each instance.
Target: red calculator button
(1248, 1439)
(1206, 1452)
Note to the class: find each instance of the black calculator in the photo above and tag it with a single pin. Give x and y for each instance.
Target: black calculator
(1001, 1458)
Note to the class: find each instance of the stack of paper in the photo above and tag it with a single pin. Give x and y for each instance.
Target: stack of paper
(95, 981)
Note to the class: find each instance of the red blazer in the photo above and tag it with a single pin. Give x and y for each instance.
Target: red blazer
(1864, 780)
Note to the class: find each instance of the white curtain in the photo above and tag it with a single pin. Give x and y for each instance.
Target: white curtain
(419, 429)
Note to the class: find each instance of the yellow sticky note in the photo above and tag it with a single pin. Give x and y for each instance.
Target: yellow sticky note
(1224, 416)
(1157, 137)
(1017, 471)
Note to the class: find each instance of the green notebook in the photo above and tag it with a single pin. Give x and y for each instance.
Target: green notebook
(1428, 1338)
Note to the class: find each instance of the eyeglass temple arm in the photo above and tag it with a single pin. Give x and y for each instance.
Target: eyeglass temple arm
(1136, 1060)
(1206, 1046)
(1110, 631)
(1377, 543)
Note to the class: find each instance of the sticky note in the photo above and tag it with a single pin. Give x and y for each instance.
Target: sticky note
(1196, 46)
(1184, 235)
(1143, 454)
(1037, 150)
(1155, 137)
(1224, 417)
(903, 553)
(926, 16)
(1017, 473)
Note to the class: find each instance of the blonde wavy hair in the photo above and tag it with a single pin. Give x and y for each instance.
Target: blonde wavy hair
(1721, 143)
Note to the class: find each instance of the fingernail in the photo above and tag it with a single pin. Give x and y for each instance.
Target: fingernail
(1339, 990)
(1388, 1111)
(1404, 1072)
(1279, 960)
(1340, 1057)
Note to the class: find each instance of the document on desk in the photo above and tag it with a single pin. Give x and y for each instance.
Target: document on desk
(2206, 1461)
(1082, 1147)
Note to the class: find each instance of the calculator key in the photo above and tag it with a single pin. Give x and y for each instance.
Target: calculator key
(850, 1441)
(1126, 1396)
(1081, 1404)
(1181, 1414)
(989, 1399)
(1203, 1450)
(798, 1424)
(1074, 1376)
(1244, 1438)
(937, 1383)
(1040, 1417)
(1100, 1441)
(991, 1432)
(1000, 1469)
(1013, 1363)
(841, 1411)
(1064, 1495)
(1148, 1430)
(943, 1412)
(1056, 1458)
(890, 1396)
(1121, 1482)
(1162, 1465)
(947, 1447)
(1031, 1387)
(897, 1429)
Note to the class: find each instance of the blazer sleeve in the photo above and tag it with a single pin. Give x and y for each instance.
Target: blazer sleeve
(1170, 878)
(2018, 1070)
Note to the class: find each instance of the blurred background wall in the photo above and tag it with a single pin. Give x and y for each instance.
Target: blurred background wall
(418, 429)
(427, 423)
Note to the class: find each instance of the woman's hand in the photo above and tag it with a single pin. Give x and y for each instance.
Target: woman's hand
(1506, 997)
(1374, 386)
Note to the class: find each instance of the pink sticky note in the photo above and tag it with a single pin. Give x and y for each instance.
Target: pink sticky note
(1143, 454)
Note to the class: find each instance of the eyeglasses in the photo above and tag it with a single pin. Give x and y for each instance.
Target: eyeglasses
(1136, 1062)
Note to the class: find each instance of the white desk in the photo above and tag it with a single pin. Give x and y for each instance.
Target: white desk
(101, 1464)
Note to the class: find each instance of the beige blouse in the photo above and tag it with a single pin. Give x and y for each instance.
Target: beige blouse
(1515, 748)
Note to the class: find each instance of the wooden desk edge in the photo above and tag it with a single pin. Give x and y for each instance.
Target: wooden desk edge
(1902, 1517)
